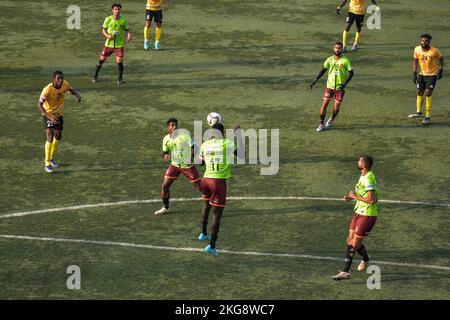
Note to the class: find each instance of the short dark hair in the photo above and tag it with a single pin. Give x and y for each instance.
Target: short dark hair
(58, 72)
(367, 160)
(172, 120)
(219, 126)
(339, 43)
(426, 35)
(116, 5)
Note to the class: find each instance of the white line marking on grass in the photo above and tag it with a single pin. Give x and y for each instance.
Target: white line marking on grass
(121, 203)
(246, 253)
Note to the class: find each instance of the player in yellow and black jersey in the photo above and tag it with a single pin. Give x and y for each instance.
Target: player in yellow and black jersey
(356, 12)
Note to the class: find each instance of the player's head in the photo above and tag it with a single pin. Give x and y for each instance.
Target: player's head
(58, 78)
(425, 40)
(116, 8)
(337, 48)
(219, 126)
(172, 125)
(365, 162)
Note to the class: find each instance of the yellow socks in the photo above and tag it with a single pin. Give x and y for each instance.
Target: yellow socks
(428, 106)
(48, 146)
(53, 148)
(419, 104)
(358, 35)
(158, 32)
(146, 33)
(344, 38)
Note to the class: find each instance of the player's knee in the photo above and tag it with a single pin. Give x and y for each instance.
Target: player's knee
(428, 92)
(147, 24)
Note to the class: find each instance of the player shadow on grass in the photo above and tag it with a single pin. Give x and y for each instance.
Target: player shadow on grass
(390, 126)
(68, 168)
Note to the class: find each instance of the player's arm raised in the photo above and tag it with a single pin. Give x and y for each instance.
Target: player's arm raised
(321, 73)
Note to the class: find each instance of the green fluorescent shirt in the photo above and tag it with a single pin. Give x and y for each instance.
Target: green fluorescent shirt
(366, 183)
(218, 155)
(116, 28)
(180, 149)
(337, 71)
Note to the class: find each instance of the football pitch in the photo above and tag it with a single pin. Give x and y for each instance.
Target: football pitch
(282, 236)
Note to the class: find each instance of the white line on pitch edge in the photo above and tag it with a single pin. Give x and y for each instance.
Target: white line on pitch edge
(121, 203)
(264, 254)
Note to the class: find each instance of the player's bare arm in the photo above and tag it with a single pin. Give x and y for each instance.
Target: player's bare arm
(106, 34)
(321, 73)
(43, 112)
(441, 67)
(240, 152)
(370, 199)
(166, 156)
(415, 65)
(338, 9)
(350, 76)
(73, 92)
(128, 35)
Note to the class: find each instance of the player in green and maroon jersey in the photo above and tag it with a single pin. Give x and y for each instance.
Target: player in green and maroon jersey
(114, 29)
(178, 148)
(340, 72)
(217, 153)
(364, 218)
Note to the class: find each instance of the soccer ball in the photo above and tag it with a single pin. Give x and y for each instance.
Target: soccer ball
(213, 118)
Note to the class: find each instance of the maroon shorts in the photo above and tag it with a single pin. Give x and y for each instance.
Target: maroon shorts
(106, 52)
(174, 172)
(214, 190)
(337, 94)
(362, 225)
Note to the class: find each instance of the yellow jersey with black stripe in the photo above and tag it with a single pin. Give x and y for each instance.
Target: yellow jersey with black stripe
(53, 98)
(154, 5)
(357, 7)
(428, 60)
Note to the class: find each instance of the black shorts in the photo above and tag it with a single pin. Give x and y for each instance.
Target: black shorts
(155, 15)
(426, 82)
(48, 125)
(352, 17)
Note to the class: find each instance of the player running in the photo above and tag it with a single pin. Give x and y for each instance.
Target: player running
(364, 218)
(356, 12)
(51, 107)
(340, 72)
(177, 147)
(431, 64)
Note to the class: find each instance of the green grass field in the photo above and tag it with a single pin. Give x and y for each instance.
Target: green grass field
(252, 61)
